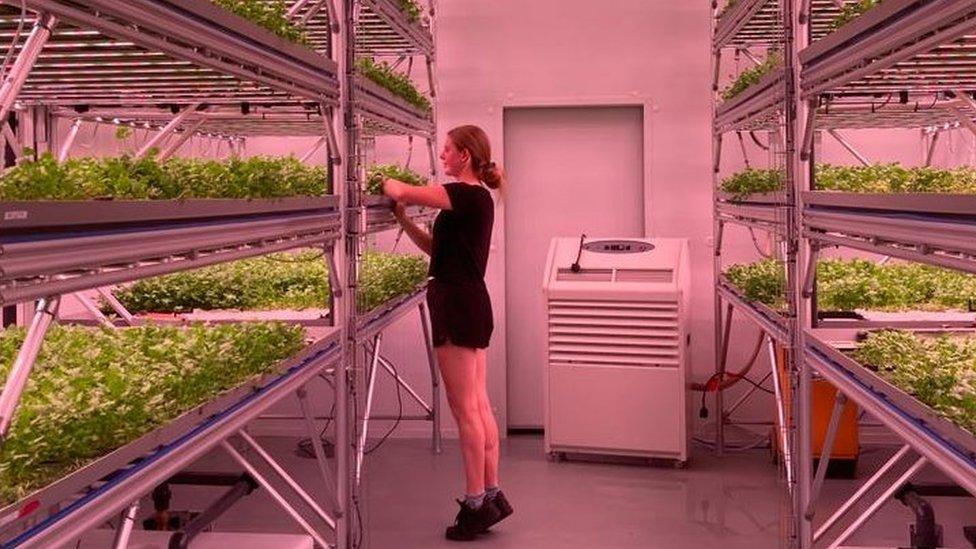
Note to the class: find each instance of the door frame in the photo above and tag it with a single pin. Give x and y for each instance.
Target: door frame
(498, 353)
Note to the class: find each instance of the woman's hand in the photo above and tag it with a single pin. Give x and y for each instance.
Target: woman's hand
(391, 188)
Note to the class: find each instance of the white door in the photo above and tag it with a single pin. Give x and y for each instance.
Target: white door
(572, 170)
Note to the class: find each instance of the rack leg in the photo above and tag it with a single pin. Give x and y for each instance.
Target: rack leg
(720, 377)
(370, 387)
(117, 306)
(128, 521)
(94, 311)
(46, 310)
(435, 383)
(11, 86)
(871, 482)
(388, 366)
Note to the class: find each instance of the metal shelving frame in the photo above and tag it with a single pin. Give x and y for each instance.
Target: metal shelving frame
(380, 28)
(903, 64)
(759, 108)
(183, 67)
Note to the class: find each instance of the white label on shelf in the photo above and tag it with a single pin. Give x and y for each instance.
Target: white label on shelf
(14, 214)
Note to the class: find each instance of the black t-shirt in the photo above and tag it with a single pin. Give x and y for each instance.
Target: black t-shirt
(462, 235)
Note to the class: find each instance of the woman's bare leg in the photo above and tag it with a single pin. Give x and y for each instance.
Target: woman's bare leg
(488, 421)
(459, 369)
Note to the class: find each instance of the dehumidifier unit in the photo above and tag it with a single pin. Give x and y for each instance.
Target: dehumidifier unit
(618, 349)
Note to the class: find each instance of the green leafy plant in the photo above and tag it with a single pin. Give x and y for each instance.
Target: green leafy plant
(381, 172)
(147, 178)
(274, 282)
(411, 9)
(398, 84)
(763, 281)
(940, 371)
(728, 5)
(752, 181)
(93, 390)
(270, 14)
(852, 11)
(123, 132)
(857, 284)
(892, 178)
(849, 285)
(750, 77)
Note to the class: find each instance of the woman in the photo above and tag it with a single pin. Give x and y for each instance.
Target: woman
(460, 311)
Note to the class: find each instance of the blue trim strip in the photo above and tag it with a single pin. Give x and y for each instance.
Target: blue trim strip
(162, 451)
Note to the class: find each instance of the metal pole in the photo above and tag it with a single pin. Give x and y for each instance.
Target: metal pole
(12, 140)
(169, 128)
(69, 140)
(878, 503)
(94, 311)
(128, 522)
(850, 148)
(828, 446)
(183, 138)
(11, 86)
(932, 145)
(117, 306)
(370, 388)
(388, 366)
(742, 145)
(435, 384)
(318, 145)
(720, 377)
(46, 310)
(282, 502)
(316, 441)
(283, 475)
(870, 483)
(782, 428)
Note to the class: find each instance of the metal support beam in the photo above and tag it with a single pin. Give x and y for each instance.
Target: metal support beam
(435, 393)
(12, 140)
(46, 311)
(27, 57)
(388, 366)
(878, 503)
(117, 306)
(285, 477)
(931, 149)
(850, 148)
(182, 139)
(806, 148)
(126, 525)
(867, 486)
(720, 366)
(168, 129)
(840, 400)
(94, 311)
(312, 11)
(370, 390)
(295, 8)
(275, 494)
(69, 140)
(742, 146)
(314, 148)
(783, 430)
(316, 439)
(811, 275)
(755, 60)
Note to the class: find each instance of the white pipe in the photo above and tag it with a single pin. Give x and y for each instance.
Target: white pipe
(11, 86)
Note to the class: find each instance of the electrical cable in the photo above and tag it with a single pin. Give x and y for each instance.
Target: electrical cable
(576, 264)
(755, 242)
(399, 414)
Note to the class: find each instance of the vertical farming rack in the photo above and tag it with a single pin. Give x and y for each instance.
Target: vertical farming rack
(903, 64)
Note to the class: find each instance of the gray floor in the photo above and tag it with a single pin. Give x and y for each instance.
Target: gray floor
(731, 502)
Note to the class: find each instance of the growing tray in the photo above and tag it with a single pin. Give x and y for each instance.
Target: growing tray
(30, 216)
(175, 436)
(950, 204)
(767, 318)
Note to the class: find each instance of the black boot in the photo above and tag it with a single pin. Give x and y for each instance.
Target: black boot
(501, 505)
(471, 522)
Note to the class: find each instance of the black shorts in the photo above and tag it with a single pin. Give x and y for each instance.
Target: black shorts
(460, 313)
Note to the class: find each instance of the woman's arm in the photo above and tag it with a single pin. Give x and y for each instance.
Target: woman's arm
(429, 195)
(419, 236)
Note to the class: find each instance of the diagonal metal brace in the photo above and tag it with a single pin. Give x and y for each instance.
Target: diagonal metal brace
(47, 310)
